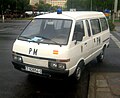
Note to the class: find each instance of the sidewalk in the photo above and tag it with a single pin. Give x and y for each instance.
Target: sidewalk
(117, 27)
(105, 84)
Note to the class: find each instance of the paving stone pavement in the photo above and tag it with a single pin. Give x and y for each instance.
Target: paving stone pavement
(104, 85)
(117, 27)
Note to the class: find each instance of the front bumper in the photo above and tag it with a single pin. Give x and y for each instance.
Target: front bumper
(46, 72)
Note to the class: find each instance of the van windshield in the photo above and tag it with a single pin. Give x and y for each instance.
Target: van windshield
(49, 31)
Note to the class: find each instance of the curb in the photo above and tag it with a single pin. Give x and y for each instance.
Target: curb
(91, 89)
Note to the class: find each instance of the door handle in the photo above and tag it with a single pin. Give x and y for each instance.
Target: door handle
(86, 43)
(94, 40)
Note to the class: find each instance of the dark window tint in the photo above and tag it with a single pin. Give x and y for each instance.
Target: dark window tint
(104, 24)
(95, 26)
(88, 28)
(79, 30)
(79, 27)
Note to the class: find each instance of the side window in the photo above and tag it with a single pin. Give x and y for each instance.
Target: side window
(78, 31)
(88, 28)
(95, 26)
(104, 24)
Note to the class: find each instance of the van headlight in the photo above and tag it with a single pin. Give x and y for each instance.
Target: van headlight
(17, 58)
(58, 66)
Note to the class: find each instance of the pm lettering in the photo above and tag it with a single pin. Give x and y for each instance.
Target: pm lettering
(33, 51)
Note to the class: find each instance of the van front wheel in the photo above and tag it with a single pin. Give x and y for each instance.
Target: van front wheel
(77, 73)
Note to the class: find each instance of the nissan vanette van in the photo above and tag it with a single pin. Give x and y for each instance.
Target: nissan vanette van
(60, 44)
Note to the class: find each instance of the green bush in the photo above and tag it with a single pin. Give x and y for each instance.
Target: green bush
(111, 25)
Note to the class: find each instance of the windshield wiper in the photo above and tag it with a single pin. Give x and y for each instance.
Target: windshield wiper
(50, 40)
(20, 37)
(39, 40)
(28, 39)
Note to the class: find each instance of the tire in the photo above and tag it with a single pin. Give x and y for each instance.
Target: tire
(100, 57)
(77, 73)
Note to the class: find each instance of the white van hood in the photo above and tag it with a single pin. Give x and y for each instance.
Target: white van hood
(40, 50)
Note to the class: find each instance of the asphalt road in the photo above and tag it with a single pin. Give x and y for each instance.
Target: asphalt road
(16, 84)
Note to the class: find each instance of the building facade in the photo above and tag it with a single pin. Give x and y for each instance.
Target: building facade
(33, 2)
(60, 3)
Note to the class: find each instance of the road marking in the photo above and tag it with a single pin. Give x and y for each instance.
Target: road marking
(118, 34)
(2, 30)
(117, 42)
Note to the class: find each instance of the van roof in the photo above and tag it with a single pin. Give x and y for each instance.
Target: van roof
(73, 15)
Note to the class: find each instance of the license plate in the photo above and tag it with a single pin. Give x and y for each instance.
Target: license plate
(35, 70)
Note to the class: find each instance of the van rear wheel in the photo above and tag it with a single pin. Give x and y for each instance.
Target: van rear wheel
(100, 57)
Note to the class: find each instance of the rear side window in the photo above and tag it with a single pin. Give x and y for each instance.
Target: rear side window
(95, 24)
(104, 24)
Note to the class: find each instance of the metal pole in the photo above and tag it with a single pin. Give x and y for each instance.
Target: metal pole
(91, 5)
(115, 6)
(115, 9)
(3, 18)
(71, 3)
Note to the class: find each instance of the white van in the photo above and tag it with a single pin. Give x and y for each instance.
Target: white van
(60, 44)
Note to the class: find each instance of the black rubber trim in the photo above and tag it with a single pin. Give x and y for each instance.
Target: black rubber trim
(46, 72)
(106, 40)
(34, 56)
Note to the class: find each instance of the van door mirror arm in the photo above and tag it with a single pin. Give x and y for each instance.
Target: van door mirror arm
(75, 37)
(75, 42)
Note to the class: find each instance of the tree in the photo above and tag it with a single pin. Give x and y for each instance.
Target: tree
(13, 5)
(43, 7)
(99, 5)
(78, 4)
(22, 5)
